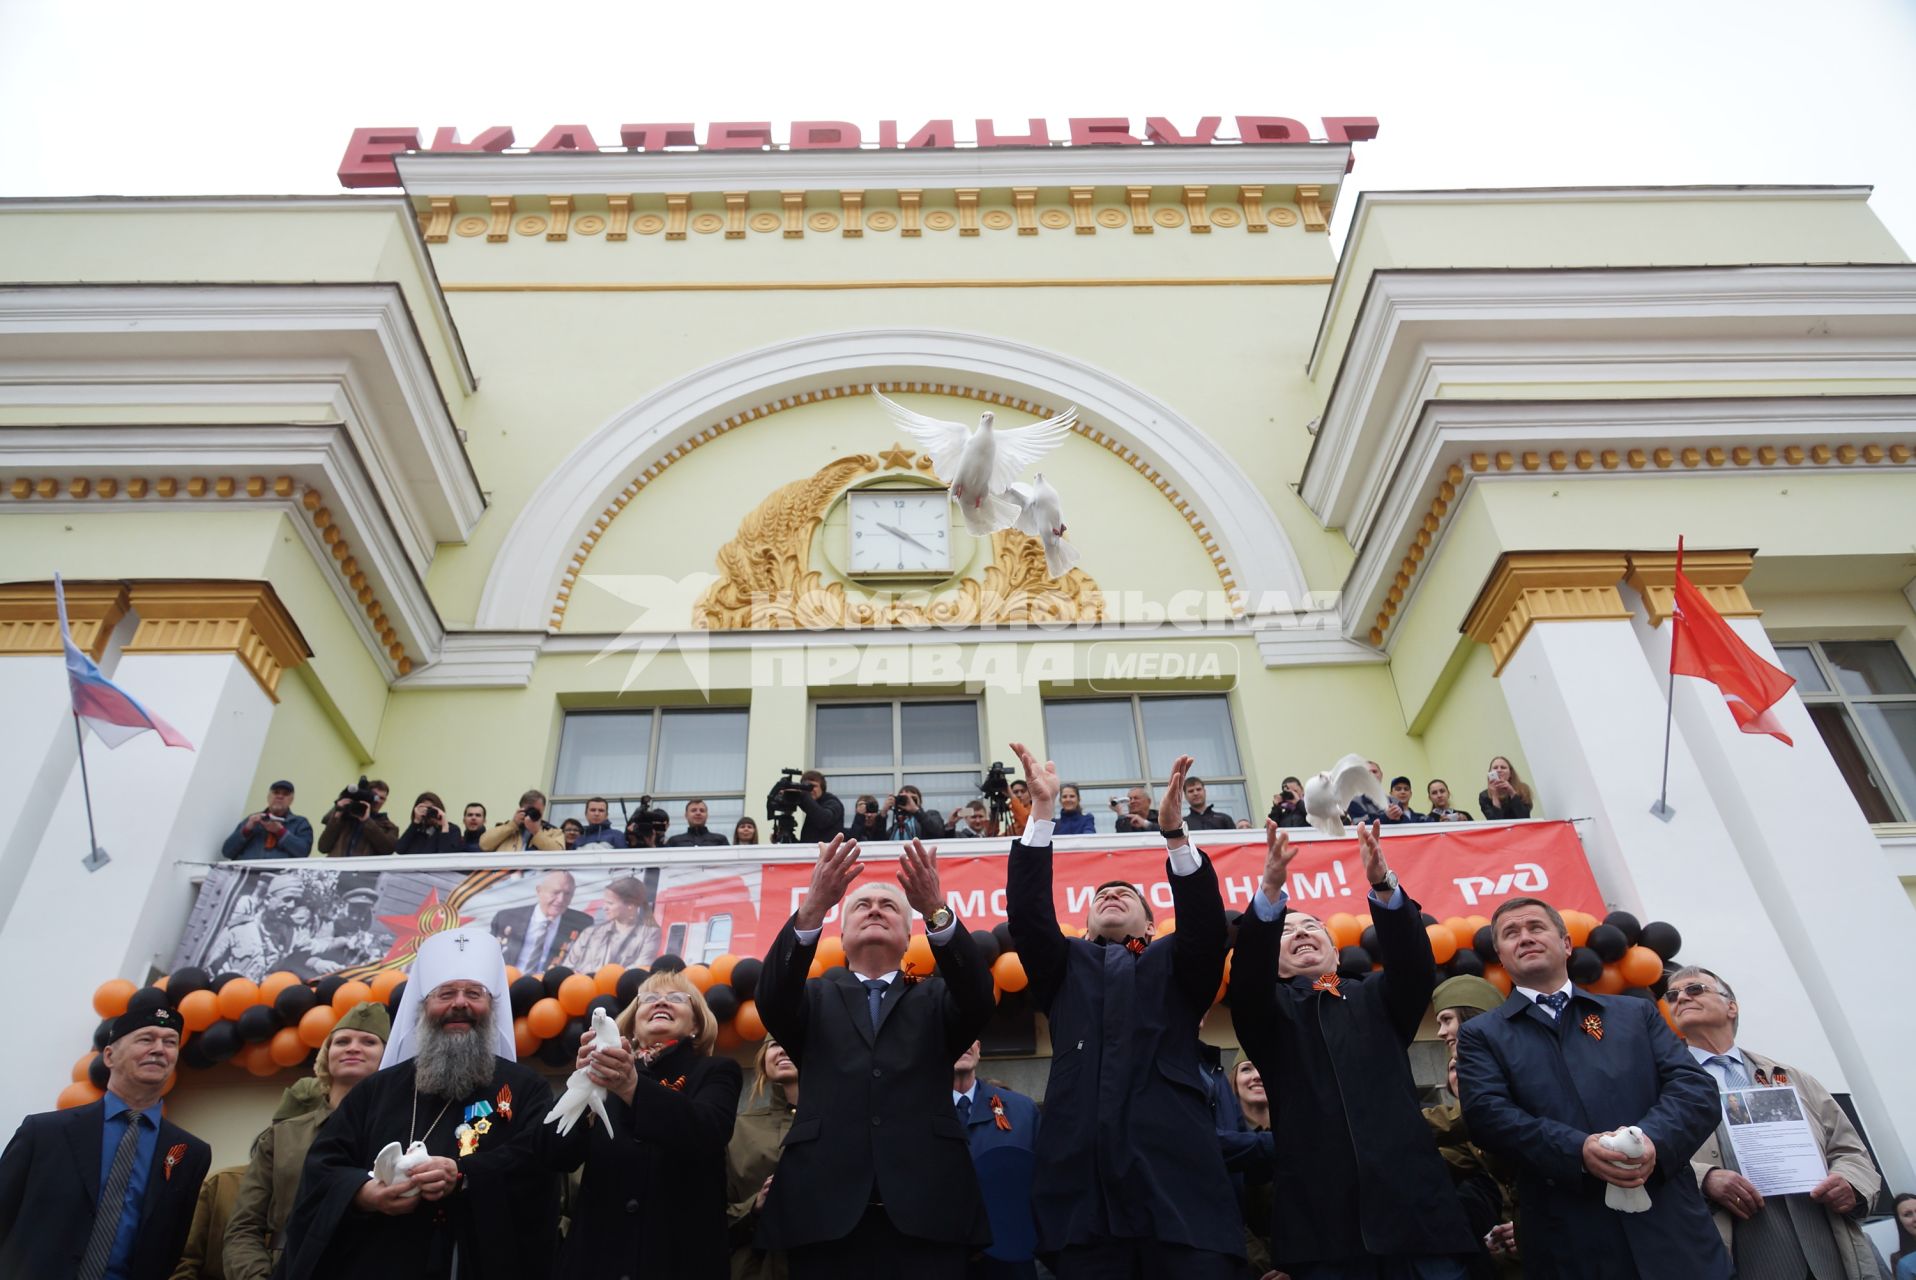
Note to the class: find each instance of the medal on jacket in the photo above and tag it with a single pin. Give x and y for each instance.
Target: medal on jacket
(504, 1102)
(998, 1116)
(174, 1154)
(1593, 1026)
(1328, 982)
(468, 1139)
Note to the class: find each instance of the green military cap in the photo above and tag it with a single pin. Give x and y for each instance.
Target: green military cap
(367, 1016)
(1466, 991)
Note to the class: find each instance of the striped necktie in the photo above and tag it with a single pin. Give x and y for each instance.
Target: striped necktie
(106, 1217)
(1733, 1070)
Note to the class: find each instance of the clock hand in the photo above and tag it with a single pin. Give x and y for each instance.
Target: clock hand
(896, 532)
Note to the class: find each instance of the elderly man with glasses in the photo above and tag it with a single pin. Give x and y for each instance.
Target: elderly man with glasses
(1816, 1234)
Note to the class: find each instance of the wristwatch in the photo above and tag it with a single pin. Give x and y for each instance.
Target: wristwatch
(939, 919)
(1385, 887)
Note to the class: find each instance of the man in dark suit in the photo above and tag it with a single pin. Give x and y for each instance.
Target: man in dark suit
(533, 938)
(1359, 1188)
(1130, 1181)
(1554, 1070)
(876, 1177)
(107, 1189)
(1002, 1126)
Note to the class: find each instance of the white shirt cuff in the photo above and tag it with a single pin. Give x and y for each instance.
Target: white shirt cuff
(943, 936)
(808, 937)
(1184, 859)
(1037, 832)
(1396, 898)
(1267, 911)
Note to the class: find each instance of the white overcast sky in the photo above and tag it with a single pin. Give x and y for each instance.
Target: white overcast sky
(214, 97)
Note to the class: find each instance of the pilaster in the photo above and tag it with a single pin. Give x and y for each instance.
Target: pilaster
(1544, 586)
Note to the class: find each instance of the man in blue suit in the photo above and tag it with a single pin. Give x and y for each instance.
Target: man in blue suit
(1001, 1125)
(1553, 1070)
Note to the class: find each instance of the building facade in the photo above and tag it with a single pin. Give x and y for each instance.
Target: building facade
(549, 471)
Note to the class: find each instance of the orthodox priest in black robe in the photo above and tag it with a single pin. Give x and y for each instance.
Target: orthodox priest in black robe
(483, 1208)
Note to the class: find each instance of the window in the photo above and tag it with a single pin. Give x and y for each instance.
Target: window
(874, 748)
(1862, 697)
(1106, 746)
(670, 754)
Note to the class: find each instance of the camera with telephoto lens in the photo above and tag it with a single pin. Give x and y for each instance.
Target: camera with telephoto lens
(645, 827)
(781, 804)
(535, 813)
(997, 789)
(364, 799)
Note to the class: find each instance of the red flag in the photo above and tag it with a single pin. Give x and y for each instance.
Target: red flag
(1703, 645)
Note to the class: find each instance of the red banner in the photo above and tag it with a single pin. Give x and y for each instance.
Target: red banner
(1453, 869)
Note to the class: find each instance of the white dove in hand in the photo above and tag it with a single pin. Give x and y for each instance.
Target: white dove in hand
(1327, 795)
(580, 1092)
(1627, 1141)
(392, 1167)
(980, 463)
(1041, 516)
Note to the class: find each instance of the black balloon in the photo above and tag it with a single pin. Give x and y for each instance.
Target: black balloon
(1609, 942)
(295, 1001)
(1586, 966)
(392, 1001)
(669, 963)
(219, 983)
(562, 1049)
(1467, 963)
(524, 993)
(103, 1033)
(1002, 932)
(185, 981)
(610, 1004)
(193, 1054)
(221, 1040)
(1627, 924)
(328, 987)
(1368, 940)
(96, 1070)
(745, 972)
(1427, 918)
(722, 1001)
(983, 939)
(630, 980)
(1485, 945)
(258, 1023)
(1353, 962)
(147, 999)
(553, 977)
(1662, 938)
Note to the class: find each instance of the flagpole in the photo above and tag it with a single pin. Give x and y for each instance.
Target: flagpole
(96, 856)
(1662, 807)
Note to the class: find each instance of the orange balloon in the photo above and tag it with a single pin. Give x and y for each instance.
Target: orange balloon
(1363, 923)
(81, 1067)
(258, 1058)
(831, 951)
(1443, 943)
(199, 1010)
(1224, 983)
(513, 974)
(699, 975)
(78, 1094)
(160, 981)
(523, 1039)
(316, 1024)
(273, 983)
(722, 967)
(606, 978)
(385, 982)
(1008, 971)
(1494, 974)
(918, 957)
(546, 1018)
(1612, 982)
(349, 995)
(1463, 931)
(1641, 966)
(817, 970)
(576, 994)
(1344, 930)
(286, 1049)
(1579, 924)
(1476, 923)
(729, 1038)
(1165, 928)
(237, 996)
(1669, 1019)
(747, 1022)
(171, 1080)
(110, 997)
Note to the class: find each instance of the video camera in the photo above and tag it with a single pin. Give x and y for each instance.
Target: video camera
(364, 799)
(646, 825)
(781, 804)
(997, 790)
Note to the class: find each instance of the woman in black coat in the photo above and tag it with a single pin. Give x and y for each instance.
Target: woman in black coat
(1507, 796)
(652, 1202)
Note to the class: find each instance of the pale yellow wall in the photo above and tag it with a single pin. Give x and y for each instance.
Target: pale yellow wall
(1469, 726)
(304, 745)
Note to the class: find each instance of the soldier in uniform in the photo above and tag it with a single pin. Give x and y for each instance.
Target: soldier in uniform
(257, 946)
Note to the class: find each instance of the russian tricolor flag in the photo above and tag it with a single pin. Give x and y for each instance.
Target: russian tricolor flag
(111, 712)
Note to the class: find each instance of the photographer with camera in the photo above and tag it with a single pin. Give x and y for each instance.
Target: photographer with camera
(797, 791)
(868, 821)
(274, 832)
(357, 826)
(431, 830)
(696, 833)
(907, 818)
(645, 829)
(526, 831)
(1287, 806)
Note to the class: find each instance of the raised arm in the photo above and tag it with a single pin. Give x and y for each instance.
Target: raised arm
(1198, 946)
(1410, 970)
(781, 986)
(1253, 993)
(967, 995)
(1029, 908)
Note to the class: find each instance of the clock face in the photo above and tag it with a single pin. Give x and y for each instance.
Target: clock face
(900, 531)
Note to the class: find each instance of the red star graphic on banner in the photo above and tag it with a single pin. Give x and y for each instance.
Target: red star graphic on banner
(410, 930)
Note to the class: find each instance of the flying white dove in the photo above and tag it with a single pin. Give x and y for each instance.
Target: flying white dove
(1040, 516)
(1328, 794)
(580, 1092)
(1627, 1141)
(391, 1167)
(980, 463)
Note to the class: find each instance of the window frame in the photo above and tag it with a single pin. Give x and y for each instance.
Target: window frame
(1153, 787)
(1902, 808)
(898, 768)
(562, 803)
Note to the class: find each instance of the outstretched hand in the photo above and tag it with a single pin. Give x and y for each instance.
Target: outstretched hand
(1171, 808)
(1043, 782)
(1372, 851)
(832, 875)
(1277, 860)
(918, 876)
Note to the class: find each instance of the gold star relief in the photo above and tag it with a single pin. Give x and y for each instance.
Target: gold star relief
(897, 456)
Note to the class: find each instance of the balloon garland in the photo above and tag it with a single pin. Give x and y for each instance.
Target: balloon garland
(280, 1022)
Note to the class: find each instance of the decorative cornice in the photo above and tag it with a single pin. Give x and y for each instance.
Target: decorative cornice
(30, 622)
(844, 286)
(245, 619)
(1544, 586)
(1719, 575)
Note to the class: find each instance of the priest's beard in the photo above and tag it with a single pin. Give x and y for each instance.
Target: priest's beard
(454, 1064)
